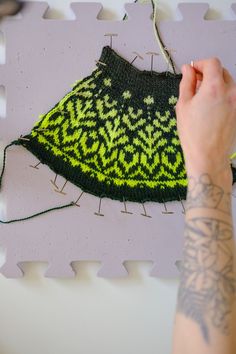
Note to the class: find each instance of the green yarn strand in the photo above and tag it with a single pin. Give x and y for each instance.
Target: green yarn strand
(16, 142)
(4, 160)
(38, 214)
(163, 49)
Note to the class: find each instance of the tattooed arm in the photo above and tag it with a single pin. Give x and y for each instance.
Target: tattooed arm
(207, 286)
(206, 116)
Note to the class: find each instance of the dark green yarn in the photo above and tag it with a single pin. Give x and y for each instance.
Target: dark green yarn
(162, 44)
(117, 84)
(89, 185)
(4, 160)
(19, 142)
(100, 120)
(103, 110)
(37, 214)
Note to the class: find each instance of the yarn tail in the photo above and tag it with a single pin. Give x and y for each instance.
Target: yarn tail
(37, 214)
(4, 160)
(125, 15)
(163, 48)
(16, 142)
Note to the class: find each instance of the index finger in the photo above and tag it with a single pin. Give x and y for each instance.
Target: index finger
(210, 69)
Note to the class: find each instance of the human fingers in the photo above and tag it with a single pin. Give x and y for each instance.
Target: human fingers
(227, 77)
(210, 69)
(187, 87)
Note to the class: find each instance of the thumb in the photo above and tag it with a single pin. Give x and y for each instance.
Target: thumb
(187, 87)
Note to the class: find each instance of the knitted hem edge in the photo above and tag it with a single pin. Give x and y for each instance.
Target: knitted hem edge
(90, 185)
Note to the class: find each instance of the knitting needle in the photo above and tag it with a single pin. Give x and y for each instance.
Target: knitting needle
(99, 209)
(36, 166)
(76, 202)
(54, 181)
(61, 191)
(125, 211)
(111, 35)
(145, 213)
(166, 211)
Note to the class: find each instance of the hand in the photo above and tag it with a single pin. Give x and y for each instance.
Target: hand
(206, 117)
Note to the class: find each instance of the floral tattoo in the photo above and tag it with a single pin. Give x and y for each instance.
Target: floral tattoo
(208, 281)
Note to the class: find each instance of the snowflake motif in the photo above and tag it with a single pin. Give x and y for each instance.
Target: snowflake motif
(107, 82)
(173, 100)
(148, 100)
(126, 95)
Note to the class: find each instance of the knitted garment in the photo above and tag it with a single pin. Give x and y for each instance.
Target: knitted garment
(114, 134)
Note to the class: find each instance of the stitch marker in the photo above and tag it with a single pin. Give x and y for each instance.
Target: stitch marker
(125, 211)
(76, 202)
(99, 209)
(36, 166)
(61, 191)
(145, 213)
(111, 35)
(54, 181)
(183, 211)
(152, 55)
(137, 55)
(166, 211)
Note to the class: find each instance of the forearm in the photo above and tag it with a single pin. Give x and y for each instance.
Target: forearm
(205, 317)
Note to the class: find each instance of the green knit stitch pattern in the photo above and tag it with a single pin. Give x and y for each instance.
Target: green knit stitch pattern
(114, 134)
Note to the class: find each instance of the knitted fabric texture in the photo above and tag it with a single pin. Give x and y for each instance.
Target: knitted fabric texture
(114, 134)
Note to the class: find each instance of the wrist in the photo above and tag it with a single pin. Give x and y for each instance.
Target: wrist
(209, 189)
(219, 175)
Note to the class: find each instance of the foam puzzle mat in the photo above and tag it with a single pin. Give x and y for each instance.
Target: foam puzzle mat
(44, 57)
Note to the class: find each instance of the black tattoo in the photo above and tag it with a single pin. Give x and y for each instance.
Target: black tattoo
(204, 193)
(208, 281)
